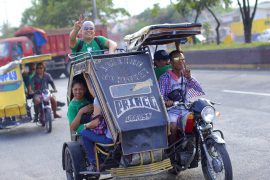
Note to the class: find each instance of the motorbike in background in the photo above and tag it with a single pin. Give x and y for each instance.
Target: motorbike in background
(199, 141)
(44, 110)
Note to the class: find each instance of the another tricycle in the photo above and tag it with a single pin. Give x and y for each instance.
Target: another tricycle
(14, 107)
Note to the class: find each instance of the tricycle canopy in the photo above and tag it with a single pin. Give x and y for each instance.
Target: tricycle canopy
(161, 34)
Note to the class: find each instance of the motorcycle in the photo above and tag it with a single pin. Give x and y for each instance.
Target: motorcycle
(200, 141)
(44, 110)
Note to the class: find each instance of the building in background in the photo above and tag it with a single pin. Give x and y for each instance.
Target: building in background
(232, 22)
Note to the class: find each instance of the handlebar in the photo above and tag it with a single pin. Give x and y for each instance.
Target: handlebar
(177, 103)
(30, 95)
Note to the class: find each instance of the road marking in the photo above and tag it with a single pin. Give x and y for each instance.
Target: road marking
(246, 92)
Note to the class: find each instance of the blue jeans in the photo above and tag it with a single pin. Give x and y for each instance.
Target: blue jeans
(89, 138)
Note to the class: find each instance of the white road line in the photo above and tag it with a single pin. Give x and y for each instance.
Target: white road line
(246, 92)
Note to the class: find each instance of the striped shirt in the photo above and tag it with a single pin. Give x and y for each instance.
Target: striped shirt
(168, 81)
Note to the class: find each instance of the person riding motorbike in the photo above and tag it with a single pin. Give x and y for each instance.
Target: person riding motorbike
(40, 81)
(178, 85)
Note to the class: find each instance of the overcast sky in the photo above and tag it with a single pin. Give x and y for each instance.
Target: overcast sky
(12, 10)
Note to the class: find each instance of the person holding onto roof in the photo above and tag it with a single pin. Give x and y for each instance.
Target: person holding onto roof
(177, 84)
(89, 42)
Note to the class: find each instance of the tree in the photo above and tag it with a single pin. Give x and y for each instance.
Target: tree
(209, 4)
(198, 6)
(62, 13)
(247, 17)
(207, 30)
(186, 7)
(155, 15)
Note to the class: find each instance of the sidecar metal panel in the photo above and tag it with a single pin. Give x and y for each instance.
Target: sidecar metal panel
(126, 87)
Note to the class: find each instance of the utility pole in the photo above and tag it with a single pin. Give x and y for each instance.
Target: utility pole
(95, 17)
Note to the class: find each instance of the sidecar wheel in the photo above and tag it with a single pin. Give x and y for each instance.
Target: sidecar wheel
(222, 167)
(71, 172)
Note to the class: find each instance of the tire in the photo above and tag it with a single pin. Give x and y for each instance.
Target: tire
(73, 160)
(48, 120)
(70, 166)
(218, 153)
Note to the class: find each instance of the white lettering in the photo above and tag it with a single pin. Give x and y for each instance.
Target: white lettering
(138, 117)
(124, 105)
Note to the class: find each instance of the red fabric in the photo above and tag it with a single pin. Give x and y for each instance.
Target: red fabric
(30, 30)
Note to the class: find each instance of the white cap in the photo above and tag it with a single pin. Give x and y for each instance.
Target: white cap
(88, 24)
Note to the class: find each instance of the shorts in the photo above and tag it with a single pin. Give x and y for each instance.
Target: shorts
(177, 113)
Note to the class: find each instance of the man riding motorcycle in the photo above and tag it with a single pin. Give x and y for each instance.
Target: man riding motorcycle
(178, 85)
(39, 82)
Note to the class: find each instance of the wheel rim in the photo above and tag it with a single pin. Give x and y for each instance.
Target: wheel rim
(215, 156)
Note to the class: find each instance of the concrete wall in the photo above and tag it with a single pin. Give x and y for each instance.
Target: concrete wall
(258, 58)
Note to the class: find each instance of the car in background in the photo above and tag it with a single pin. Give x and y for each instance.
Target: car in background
(265, 36)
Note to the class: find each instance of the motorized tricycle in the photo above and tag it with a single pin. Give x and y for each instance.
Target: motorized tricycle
(136, 116)
(16, 105)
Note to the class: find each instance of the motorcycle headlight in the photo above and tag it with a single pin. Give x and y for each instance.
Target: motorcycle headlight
(208, 114)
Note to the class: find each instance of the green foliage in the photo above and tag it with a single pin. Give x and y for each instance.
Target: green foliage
(207, 30)
(193, 8)
(155, 10)
(63, 13)
(155, 15)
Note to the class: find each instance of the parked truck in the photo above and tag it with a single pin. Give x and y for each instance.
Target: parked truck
(30, 41)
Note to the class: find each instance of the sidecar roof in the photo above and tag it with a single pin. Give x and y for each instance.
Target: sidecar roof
(161, 34)
(36, 58)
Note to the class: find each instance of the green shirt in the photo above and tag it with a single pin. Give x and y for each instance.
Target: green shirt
(73, 109)
(161, 70)
(92, 47)
(27, 79)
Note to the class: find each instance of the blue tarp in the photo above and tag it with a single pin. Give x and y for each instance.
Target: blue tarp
(40, 40)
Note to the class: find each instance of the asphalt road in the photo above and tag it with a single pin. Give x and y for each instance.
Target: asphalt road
(27, 152)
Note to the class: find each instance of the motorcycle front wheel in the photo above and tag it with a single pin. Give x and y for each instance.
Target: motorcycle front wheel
(48, 120)
(221, 163)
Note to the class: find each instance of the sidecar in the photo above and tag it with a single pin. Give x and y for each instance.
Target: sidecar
(14, 109)
(127, 89)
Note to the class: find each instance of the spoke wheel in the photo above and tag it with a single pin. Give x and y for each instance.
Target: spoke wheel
(221, 168)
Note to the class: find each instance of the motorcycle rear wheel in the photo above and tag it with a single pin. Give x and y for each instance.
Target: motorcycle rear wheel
(219, 154)
(48, 120)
